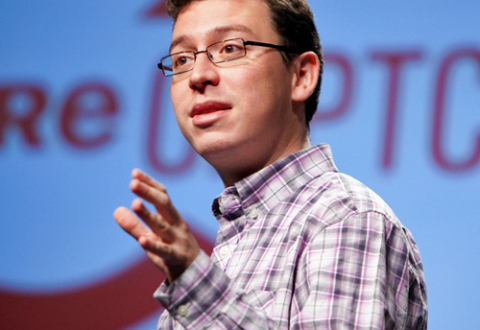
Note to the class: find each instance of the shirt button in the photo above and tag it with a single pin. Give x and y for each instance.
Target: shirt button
(224, 250)
(253, 214)
(182, 310)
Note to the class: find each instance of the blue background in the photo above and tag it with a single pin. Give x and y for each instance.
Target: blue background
(56, 226)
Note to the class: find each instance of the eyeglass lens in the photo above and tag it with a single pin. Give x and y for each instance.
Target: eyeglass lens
(219, 52)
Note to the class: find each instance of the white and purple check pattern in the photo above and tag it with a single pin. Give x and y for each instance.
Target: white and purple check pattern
(301, 246)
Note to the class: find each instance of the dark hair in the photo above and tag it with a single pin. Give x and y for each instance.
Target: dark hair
(293, 21)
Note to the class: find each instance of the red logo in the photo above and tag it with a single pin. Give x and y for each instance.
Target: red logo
(115, 303)
(157, 10)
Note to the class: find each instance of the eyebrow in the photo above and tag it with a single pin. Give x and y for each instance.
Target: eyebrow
(219, 30)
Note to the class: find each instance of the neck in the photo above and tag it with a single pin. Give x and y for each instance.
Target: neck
(232, 172)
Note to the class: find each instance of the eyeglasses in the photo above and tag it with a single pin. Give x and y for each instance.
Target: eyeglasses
(218, 53)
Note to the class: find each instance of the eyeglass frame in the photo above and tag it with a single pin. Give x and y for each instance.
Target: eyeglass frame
(245, 43)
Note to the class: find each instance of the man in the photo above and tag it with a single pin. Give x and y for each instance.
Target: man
(300, 246)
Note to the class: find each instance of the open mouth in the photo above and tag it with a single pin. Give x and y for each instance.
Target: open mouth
(208, 108)
(209, 113)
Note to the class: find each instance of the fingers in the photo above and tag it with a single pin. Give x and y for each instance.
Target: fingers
(153, 245)
(165, 236)
(129, 222)
(148, 240)
(172, 259)
(150, 190)
(149, 193)
(158, 225)
(138, 174)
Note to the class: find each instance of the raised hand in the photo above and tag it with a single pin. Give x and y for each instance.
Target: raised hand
(168, 241)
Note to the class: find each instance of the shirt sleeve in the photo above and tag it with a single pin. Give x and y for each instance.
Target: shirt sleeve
(204, 297)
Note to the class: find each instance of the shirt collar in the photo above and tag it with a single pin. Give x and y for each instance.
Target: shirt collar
(267, 187)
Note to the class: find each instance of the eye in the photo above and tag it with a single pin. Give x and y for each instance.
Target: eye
(180, 61)
(231, 48)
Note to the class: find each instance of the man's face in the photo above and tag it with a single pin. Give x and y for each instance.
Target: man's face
(240, 117)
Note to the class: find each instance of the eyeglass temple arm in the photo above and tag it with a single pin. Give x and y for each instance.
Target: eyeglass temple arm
(279, 47)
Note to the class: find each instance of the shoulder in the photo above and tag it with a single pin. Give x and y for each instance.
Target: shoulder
(334, 197)
(338, 202)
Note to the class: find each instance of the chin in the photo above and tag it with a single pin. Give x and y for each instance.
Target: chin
(219, 151)
(213, 150)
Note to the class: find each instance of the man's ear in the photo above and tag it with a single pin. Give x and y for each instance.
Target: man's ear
(305, 78)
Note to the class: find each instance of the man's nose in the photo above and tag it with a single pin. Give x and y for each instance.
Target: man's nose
(204, 72)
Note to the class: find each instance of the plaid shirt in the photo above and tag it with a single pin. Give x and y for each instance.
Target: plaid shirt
(301, 246)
